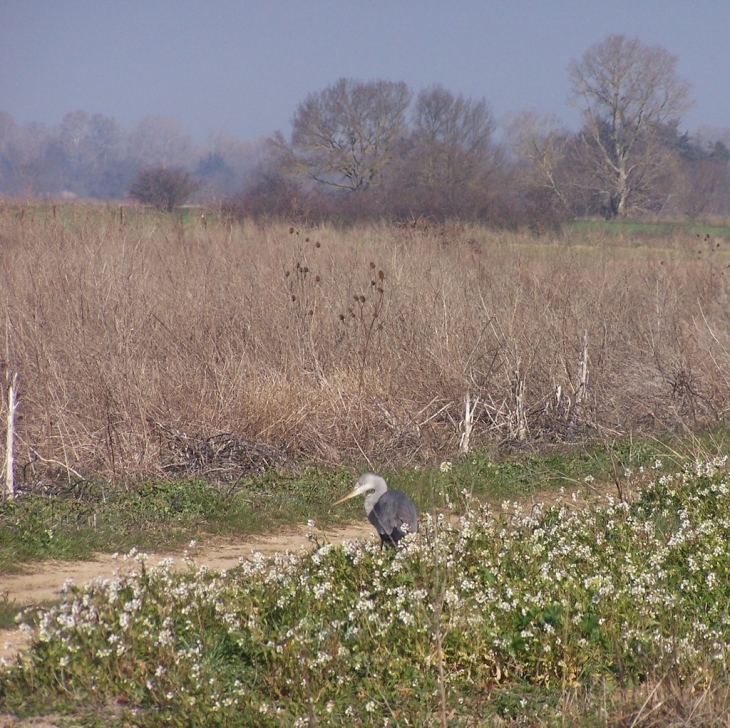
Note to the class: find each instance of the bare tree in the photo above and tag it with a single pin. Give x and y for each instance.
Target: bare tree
(542, 146)
(447, 164)
(626, 90)
(343, 136)
(454, 135)
(163, 187)
(161, 140)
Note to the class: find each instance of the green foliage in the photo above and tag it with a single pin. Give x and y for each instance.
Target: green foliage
(9, 610)
(506, 611)
(650, 229)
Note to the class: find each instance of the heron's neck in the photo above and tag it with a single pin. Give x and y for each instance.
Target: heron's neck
(374, 496)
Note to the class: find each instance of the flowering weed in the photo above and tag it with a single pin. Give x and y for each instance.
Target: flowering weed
(496, 616)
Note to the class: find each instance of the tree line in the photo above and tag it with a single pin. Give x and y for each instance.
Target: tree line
(374, 148)
(91, 156)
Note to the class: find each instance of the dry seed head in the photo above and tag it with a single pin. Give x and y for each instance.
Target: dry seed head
(342, 317)
(380, 289)
(311, 312)
(381, 275)
(291, 231)
(372, 265)
(356, 297)
(293, 298)
(306, 269)
(362, 299)
(317, 279)
(318, 244)
(286, 274)
(306, 240)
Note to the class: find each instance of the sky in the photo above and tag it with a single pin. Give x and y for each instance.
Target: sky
(242, 67)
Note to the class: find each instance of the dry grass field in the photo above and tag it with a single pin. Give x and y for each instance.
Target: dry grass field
(146, 346)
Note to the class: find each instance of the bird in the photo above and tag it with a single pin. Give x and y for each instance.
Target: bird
(391, 511)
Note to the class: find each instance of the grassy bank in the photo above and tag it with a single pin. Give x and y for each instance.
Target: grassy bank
(75, 521)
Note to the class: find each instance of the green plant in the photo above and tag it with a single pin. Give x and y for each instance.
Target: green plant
(506, 615)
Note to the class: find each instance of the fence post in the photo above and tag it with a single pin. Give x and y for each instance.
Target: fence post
(9, 459)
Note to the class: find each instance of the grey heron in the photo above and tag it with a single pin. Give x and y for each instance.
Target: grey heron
(391, 511)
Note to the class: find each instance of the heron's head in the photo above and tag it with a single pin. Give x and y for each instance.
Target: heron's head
(363, 484)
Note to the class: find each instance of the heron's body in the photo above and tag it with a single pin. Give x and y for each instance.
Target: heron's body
(391, 511)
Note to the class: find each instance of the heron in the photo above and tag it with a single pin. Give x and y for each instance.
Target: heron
(391, 511)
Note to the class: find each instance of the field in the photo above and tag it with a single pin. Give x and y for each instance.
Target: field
(184, 377)
(148, 346)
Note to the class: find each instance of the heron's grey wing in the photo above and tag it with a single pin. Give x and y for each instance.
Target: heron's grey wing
(406, 512)
(393, 509)
(382, 516)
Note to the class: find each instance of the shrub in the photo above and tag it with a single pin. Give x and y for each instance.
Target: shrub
(163, 187)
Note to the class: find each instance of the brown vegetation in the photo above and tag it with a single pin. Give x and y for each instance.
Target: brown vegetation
(146, 347)
(165, 188)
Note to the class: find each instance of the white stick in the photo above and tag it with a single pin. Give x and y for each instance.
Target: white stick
(469, 410)
(9, 459)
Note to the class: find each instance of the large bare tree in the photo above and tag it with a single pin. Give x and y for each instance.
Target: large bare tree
(344, 135)
(626, 91)
(454, 137)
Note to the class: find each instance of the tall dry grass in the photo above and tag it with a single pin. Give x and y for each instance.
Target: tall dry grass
(151, 346)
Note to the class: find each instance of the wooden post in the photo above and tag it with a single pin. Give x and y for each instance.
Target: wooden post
(469, 409)
(9, 459)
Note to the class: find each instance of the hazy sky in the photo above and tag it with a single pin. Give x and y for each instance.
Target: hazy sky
(243, 66)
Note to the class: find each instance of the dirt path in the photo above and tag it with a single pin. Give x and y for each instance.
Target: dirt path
(47, 578)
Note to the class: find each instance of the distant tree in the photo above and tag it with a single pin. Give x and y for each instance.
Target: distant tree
(90, 154)
(454, 136)
(23, 156)
(163, 187)
(702, 184)
(542, 146)
(160, 140)
(214, 173)
(447, 161)
(626, 91)
(343, 136)
(106, 165)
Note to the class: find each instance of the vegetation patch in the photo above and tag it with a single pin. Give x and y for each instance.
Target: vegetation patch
(559, 613)
(78, 520)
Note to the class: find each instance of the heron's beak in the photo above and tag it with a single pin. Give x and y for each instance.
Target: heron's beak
(351, 494)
